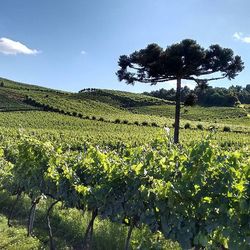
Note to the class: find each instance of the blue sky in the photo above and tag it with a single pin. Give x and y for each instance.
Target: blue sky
(71, 45)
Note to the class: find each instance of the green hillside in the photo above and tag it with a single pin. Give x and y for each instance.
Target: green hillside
(13, 101)
(10, 84)
(117, 107)
(95, 102)
(121, 98)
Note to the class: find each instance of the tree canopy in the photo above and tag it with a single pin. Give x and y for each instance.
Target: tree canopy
(210, 96)
(186, 60)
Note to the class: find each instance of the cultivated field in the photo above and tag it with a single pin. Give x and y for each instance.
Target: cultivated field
(103, 157)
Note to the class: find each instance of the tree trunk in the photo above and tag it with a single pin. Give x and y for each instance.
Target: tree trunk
(177, 111)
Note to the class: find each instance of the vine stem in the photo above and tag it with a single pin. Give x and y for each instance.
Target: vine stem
(87, 240)
(51, 241)
(32, 215)
(131, 227)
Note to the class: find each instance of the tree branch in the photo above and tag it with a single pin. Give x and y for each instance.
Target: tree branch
(197, 80)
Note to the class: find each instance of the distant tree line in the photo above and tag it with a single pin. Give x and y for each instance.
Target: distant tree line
(206, 95)
(88, 90)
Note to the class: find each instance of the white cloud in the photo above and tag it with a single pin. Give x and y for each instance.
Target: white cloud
(83, 52)
(10, 47)
(239, 36)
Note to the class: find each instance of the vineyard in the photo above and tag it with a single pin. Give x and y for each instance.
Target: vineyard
(196, 195)
(98, 170)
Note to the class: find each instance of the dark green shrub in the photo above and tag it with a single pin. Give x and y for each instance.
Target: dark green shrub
(136, 123)
(87, 117)
(80, 115)
(46, 107)
(191, 99)
(117, 121)
(200, 127)
(187, 125)
(144, 123)
(154, 124)
(101, 119)
(93, 118)
(74, 114)
(226, 129)
(125, 122)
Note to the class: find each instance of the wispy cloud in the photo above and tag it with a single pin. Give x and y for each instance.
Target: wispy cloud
(11, 47)
(83, 52)
(239, 36)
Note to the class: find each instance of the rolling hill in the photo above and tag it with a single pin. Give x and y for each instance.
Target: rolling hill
(117, 107)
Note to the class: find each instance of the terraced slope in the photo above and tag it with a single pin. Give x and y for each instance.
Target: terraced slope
(13, 101)
(98, 104)
(120, 99)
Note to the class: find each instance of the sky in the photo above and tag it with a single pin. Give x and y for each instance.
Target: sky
(75, 44)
